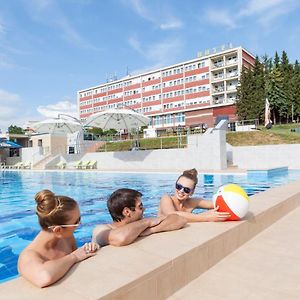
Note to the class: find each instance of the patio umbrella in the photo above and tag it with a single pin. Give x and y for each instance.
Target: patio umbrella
(117, 119)
(57, 126)
(9, 144)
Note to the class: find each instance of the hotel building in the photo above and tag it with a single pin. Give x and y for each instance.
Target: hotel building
(188, 94)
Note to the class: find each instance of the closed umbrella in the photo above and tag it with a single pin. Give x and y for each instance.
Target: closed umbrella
(117, 119)
(57, 126)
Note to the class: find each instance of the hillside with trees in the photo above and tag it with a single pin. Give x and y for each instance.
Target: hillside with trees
(276, 79)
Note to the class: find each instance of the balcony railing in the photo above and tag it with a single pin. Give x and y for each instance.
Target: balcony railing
(232, 74)
(218, 65)
(231, 62)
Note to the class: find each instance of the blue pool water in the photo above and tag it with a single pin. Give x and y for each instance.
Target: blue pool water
(18, 222)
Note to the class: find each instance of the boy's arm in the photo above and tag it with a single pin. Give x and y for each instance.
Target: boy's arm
(171, 222)
(123, 235)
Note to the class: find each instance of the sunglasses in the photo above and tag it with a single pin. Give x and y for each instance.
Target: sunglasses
(140, 207)
(67, 225)
(180, 187)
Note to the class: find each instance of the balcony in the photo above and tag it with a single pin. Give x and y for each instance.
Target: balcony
(219, 89)
(231, 62)
(217, 65)
(232, 74)
(218, 78)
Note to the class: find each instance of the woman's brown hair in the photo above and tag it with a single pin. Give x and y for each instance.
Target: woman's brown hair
(190, 174)
(52, 209)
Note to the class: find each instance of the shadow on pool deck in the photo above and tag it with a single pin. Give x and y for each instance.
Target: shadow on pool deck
(160, 265)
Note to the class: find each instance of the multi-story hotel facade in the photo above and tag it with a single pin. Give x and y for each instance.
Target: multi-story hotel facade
(190, 93)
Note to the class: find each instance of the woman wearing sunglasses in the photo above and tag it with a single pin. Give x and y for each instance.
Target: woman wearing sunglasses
(183, 204)
(53, 252)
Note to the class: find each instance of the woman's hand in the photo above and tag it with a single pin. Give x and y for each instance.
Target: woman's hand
(87, 250)
(213, 215)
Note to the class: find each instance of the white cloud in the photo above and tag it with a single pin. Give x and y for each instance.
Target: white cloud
(159, 54)
(172, 24)
(49, 13)
(258, 6)
(2, 28)
(154, 16)
(61, 107)
(220, 17)
(4, 62)
(12, 110)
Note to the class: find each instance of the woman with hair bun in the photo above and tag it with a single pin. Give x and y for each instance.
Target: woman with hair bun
(183, 204)
(53, 252)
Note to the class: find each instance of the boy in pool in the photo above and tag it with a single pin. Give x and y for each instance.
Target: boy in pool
(126, 209)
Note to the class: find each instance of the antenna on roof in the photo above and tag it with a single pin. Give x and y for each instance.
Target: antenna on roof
(127, 71)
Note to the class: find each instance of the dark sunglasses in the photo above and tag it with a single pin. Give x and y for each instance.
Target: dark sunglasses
(180, 187)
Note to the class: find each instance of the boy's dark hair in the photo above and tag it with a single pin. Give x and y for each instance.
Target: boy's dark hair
(120, 199)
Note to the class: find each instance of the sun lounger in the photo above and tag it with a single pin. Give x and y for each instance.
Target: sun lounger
(78, 164)
(18, 165)
(26, 165)
(85, 164)
(92, 164)
(61, 165)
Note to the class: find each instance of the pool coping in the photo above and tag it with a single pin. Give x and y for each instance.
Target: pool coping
(157, 266)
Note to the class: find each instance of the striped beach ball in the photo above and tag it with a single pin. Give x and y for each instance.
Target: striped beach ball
(233, 199)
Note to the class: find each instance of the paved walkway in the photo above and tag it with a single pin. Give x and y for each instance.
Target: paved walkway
(266, 267)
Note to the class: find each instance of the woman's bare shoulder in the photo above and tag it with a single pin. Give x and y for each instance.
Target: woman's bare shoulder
(166, 197)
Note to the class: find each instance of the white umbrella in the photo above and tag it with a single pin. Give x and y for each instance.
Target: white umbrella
(117, 119)
(57, 126)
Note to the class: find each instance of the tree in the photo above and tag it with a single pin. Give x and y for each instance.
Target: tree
(276, 95)
(15, 129)
(95, 131)
(295, 91)
(276, 60)
(287, 73)
(244, 95)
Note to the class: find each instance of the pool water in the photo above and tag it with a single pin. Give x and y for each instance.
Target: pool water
(18, 221)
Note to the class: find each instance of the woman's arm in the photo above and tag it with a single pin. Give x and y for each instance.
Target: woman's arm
(43, 273)
(200, 203)
(211, 215)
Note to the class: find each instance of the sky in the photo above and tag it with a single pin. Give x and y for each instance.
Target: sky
(50, 49)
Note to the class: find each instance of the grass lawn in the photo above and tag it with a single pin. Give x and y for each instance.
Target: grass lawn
(278, 134)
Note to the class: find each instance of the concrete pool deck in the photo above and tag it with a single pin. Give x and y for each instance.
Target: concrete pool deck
(165, 264)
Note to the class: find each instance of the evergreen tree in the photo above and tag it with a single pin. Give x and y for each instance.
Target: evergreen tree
(287, 78)
(277, 97)
(259, 94)
(296, 91)
(276, 60)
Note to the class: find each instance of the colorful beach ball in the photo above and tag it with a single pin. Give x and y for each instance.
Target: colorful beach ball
(233, 199)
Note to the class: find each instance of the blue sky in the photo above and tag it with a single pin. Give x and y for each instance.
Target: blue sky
(49, 49)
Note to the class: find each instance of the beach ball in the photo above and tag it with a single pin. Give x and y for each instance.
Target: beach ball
(233, 199)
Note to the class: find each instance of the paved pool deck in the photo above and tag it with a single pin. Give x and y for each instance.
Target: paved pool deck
(256, 258)
(266, 267)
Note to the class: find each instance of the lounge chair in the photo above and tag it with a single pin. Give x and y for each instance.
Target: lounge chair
(18, 165)
(92, 164)
(85, 164)
(26, 165)
(78, 164)
(61, 165)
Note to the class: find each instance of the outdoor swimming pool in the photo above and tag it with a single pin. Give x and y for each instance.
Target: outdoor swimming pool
(19, 225)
